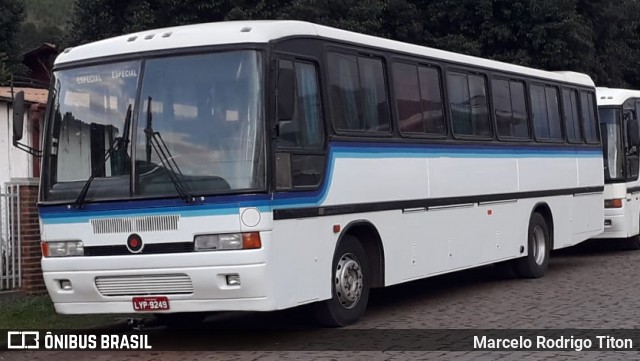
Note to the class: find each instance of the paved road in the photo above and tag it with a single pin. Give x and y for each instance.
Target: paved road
(593, 286)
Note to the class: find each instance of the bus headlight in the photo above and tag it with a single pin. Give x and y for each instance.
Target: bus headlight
(230, 241)
(62, 248)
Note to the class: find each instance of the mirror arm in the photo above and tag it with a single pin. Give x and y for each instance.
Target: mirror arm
(25, 148)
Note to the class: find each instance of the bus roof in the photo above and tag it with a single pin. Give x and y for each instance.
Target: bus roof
(264, 31)
(611, 96)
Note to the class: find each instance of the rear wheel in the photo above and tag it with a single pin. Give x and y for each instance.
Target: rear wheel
(350, 280)
(535, 264)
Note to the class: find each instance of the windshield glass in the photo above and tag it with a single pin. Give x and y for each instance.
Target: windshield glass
(204, 134)
(89, 109)
(610, 122)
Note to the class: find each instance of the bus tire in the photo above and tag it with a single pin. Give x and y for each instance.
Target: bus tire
(535, 264)
(181, 320)
(350, 283)
(633, 243)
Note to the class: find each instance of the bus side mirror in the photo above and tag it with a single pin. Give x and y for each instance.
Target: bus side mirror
(286, 92)
(633, 133)
(18, 116)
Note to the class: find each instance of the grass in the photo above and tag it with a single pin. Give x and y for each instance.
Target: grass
(22, 312)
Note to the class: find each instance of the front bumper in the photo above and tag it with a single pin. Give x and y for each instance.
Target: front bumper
(204, 286)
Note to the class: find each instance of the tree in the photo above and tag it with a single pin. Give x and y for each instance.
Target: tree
(598, 37)
(11, 16)
(5, 74)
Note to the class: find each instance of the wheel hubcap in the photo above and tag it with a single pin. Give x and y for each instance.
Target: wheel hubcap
(539, 245)
(348, 281)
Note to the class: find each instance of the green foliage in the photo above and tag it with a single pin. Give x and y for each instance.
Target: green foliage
(37, 312)
(11, 15)
(48, 13)
(598, 37)
(5, 73)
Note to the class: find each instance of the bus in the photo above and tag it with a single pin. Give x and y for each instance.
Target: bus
(619, 110)
(264, 165)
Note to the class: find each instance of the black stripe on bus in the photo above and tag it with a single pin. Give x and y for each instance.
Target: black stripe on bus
(633, 189)
(292, 213)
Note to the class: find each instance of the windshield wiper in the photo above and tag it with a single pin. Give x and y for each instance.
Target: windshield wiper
(155, 141)
(119, 143)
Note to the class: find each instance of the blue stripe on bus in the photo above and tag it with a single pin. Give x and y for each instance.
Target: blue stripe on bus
(227, 205)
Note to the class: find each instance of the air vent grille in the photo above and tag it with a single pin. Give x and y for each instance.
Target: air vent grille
(135, 224)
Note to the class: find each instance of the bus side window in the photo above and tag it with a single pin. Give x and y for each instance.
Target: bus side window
(468, 104)
(300, 159)
(545, 108)
(510, 108)
(358, 93)
(587, 110)
(571, 118)
(418, 99)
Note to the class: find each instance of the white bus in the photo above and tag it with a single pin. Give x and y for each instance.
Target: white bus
(619, 110)
(270, 164)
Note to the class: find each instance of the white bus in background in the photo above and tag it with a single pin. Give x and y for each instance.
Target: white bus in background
(271, 164)
(619, 111)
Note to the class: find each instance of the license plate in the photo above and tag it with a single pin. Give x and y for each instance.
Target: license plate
(150, 303)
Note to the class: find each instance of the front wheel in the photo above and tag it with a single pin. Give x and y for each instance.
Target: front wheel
(633, 243)
(350, 280)
(535, 264)
(186, 320)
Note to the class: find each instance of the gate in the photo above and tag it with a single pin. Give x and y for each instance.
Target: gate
(10, 238)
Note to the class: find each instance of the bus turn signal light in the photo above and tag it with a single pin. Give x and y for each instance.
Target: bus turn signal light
(251, 240)
(613, 203)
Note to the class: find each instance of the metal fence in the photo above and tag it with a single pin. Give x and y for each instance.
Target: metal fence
(10, 238)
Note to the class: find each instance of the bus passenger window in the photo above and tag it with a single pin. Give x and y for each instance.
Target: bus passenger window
(418, 99)
(510, 108)
(431, 97)
(572, 120)
(546, 112)
(407, 91)
(587, 110)
(358, 93)
(468, 102)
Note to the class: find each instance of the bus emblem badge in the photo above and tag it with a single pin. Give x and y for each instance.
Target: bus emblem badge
(134, 243)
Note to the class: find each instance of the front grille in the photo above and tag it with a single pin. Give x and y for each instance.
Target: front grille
(149, 248)
(171, 284)
(136, 224)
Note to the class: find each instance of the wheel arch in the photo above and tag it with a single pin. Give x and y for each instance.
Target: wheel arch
(370, 239)
(544, 210)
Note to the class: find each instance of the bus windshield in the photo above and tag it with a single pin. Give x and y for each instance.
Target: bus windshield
(610, 124)
(161, 127)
